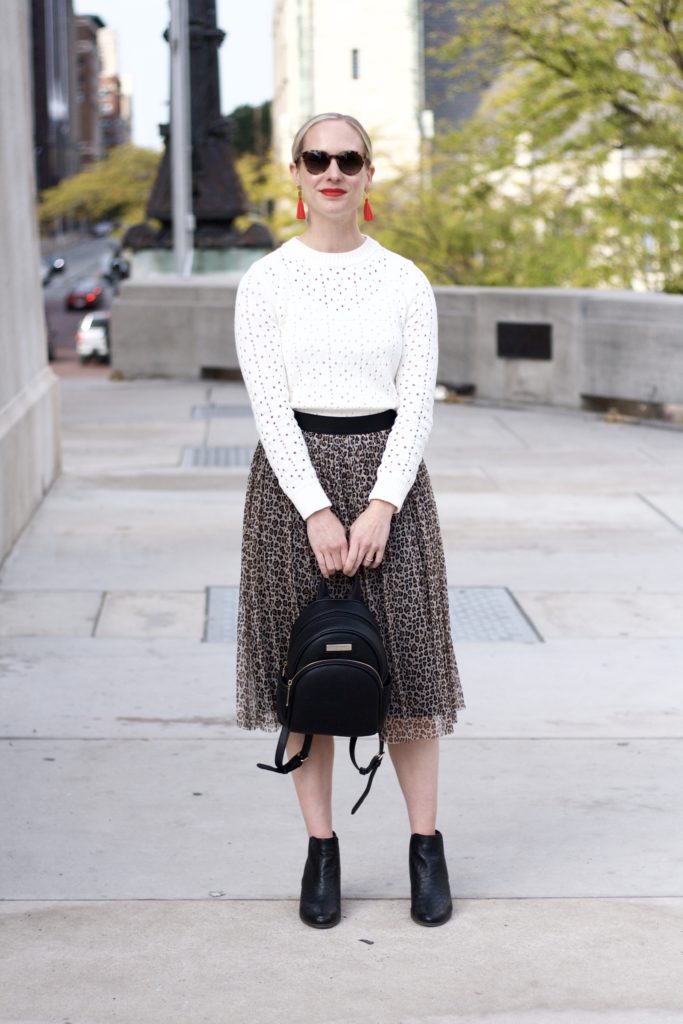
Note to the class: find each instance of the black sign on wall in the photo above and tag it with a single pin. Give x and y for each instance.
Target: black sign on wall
(524, 341)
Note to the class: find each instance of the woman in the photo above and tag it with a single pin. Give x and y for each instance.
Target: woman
(337, 343)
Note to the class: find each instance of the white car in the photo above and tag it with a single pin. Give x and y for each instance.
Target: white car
(92, 337)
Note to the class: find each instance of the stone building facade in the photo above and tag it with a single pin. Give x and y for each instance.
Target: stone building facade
(29, 395)
(88, 86)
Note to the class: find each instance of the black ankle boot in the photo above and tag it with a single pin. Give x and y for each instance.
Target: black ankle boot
(430, 891)
(320, 904)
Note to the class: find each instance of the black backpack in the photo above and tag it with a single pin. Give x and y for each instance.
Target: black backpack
(335, 681)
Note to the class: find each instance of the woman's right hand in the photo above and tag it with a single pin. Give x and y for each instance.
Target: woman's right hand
(327, 538)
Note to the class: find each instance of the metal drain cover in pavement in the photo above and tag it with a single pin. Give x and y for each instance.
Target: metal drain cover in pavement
(207, 412)
(208, 457)
(482, 615)
(478, 615)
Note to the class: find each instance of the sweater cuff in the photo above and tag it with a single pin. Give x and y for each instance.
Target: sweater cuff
(309, 499)
(389, 490)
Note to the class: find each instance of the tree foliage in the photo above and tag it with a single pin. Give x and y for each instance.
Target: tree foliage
(571, 171)
(252, 129)
(116, 188)
(270, 193)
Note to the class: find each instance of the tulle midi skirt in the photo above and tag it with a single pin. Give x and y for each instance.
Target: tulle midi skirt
(407, 593)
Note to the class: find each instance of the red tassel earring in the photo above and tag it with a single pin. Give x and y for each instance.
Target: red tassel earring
(367, 209)
(300, 210)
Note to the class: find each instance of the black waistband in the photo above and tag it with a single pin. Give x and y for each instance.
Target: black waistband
(346, 424)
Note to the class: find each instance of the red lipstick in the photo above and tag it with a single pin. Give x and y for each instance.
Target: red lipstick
(333, 191)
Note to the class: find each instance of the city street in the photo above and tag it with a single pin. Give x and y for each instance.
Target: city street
(85, 257)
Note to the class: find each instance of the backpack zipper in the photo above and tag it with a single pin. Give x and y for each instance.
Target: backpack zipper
(327, 661)
(303, 644)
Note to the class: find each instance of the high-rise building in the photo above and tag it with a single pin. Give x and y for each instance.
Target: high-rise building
(55, 110)
(108, 49)
(449, 96)
(114, 110)
(126, 104)
(375, 62)
(88, 84)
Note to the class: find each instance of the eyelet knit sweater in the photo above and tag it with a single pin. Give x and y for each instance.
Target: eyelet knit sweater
(337, 334)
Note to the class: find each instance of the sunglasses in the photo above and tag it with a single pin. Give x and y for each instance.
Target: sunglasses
(317, 161)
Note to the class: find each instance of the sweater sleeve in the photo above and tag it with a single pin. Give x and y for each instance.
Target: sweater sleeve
(415, 382)
(259, 351)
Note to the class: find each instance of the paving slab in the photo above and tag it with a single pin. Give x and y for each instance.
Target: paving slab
(611, 962)
(48, 613)
(123, 537)
(586, 614)
(578, 688)
(170, 613)
(117, 688)
(146, 402)
(591, 565)
(531, 515)
(175, 819)
(534, 473)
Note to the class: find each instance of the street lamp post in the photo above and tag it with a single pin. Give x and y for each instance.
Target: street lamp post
(181, 141)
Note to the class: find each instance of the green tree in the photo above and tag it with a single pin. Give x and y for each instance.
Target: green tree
(571, 172)
(116, 188)
(252, 129)
(463, 227)
(270, 193)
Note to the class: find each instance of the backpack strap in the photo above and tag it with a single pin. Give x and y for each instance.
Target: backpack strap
(370, 769)
(354, 594)
(294, 762)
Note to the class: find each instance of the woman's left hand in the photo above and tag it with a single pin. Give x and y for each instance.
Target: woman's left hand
(368, 537)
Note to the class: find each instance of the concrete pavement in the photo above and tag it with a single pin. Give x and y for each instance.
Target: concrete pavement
(150, 873)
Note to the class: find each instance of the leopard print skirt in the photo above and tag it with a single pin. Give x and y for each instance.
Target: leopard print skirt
(407, 593)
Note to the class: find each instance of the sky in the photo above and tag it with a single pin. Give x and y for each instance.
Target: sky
(245, 56)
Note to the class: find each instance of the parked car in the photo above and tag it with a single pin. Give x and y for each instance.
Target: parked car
(92, 337)
(102, 228)
(86, 294)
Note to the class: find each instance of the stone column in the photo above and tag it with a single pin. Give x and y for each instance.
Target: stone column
(29, 393)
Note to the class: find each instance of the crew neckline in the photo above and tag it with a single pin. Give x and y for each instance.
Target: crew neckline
(367, 248)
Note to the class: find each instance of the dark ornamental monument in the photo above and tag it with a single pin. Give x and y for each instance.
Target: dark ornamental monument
(217, 194)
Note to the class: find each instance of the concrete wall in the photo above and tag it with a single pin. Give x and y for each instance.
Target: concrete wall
(29, 396)
(624, 345)
(174, 327)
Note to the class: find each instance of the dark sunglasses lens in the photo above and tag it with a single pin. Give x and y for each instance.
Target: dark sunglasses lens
(316, 161)
(350, 162)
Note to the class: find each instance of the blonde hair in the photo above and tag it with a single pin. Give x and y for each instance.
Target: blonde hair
(298, 143)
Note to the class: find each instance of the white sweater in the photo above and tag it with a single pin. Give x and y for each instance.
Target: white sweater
(339, 334)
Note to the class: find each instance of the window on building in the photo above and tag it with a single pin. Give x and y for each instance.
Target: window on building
(355, 63)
